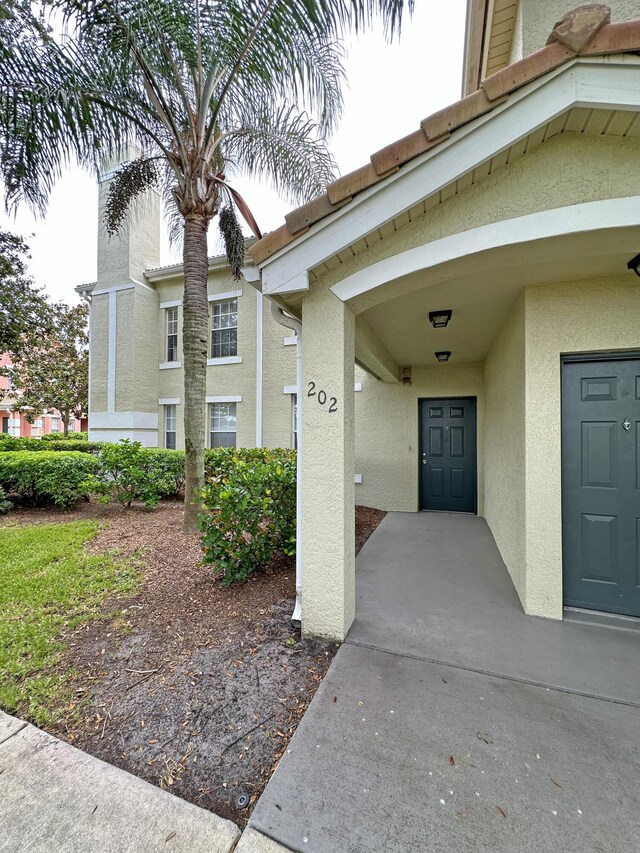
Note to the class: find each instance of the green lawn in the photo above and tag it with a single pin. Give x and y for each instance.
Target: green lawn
(48, 585)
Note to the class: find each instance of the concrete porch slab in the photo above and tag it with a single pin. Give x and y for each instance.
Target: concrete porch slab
(414, 757)
(450, 721)
(53, 797)
(434, 585)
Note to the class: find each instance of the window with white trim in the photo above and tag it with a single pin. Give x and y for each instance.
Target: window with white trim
(170, 427)
(172, 334)
(224, 328)
(55, 424)
(222, 425)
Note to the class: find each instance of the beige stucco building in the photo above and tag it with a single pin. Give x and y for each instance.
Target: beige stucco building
(136, 377)
(472, 278)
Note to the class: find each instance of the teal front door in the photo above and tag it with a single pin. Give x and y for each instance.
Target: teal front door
(601, 484)
(448, 454)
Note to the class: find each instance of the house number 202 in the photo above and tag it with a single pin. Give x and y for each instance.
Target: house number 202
(322, 398)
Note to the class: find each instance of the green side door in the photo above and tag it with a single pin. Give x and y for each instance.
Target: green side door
(601, 484)
(448, 454)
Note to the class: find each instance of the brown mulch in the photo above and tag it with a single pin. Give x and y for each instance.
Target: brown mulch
(192, 686)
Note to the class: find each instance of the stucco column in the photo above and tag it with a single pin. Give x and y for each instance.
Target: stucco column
(328, 553)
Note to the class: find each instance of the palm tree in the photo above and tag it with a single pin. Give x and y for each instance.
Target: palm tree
(200, 88)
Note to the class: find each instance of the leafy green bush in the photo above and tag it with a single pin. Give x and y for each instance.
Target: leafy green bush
(250, 498)
(48, 443)
(5, 505)
(59, 436)
(43, 478)
(129, 472)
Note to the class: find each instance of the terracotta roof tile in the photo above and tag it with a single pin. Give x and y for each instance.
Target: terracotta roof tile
(314, 210)
(455, 115)
(272, 243)
(530, 68)
(401, 151)
(584, 31)
(615, 38)
(354, 182)
(578, 27)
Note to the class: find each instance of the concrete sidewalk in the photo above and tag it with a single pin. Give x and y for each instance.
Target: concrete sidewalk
(449, 721)
(56, 799)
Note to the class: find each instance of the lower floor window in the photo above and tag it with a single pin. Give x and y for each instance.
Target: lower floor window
(222, 425)
(170, 427)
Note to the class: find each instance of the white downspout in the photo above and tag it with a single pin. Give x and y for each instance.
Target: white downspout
(259, 302)
(291, 323)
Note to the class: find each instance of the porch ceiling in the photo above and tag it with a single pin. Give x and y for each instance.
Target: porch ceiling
(482, 288)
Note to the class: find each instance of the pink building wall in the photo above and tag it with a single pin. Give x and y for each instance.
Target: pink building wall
(15, 423)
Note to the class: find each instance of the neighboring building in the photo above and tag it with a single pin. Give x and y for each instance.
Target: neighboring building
(511, 214)
(13, 422)
(136, 379)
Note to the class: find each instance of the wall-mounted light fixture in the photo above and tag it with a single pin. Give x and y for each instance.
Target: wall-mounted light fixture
(443, 356)
(633, 264)
(439, 319)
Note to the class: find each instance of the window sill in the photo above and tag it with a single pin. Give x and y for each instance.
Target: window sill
(228, 359)
(170, 365)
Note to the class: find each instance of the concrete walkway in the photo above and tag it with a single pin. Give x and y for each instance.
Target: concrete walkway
(449, 721)
(56, 799)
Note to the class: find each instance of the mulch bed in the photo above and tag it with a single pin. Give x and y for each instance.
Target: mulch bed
(194, 687)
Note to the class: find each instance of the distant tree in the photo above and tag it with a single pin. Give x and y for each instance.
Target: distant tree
(24, 311)
(52, 372)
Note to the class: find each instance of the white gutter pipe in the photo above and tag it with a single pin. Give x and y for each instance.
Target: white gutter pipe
(292, 323)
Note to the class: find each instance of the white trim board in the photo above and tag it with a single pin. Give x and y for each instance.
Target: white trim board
(170, 365)
(115, 289)
(169, 401)
(124, 420)
(607, 82)
(290, 341)
(557, 222)
(172, 303)
(223, 398)
(226, 359)
(229, 294)
(112, 347)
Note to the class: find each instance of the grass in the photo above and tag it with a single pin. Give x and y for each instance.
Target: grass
(48, 586)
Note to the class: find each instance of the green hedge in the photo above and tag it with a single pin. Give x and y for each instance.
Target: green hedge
(47, 443)
(128, 472)
(250, 503)
(46, 478)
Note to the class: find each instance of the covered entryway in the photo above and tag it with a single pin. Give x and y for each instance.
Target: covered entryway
(601, 483)
(448, 455)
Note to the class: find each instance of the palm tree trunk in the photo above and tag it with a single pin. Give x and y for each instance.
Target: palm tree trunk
(195, 333)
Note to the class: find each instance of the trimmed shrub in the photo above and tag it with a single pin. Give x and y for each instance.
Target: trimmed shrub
(44, 478)
(46, 444)
(5, 505)
(129, 472)
(59, 436)
(250, 498)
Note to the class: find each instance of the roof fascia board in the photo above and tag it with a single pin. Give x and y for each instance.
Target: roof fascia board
(604, 214)
(579, 83)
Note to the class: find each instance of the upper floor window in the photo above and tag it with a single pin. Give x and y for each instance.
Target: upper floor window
(55, 424)
(172, 334)
(222, 425)
(224, 328)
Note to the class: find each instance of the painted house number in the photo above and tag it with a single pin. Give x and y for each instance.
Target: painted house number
(322, 398)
